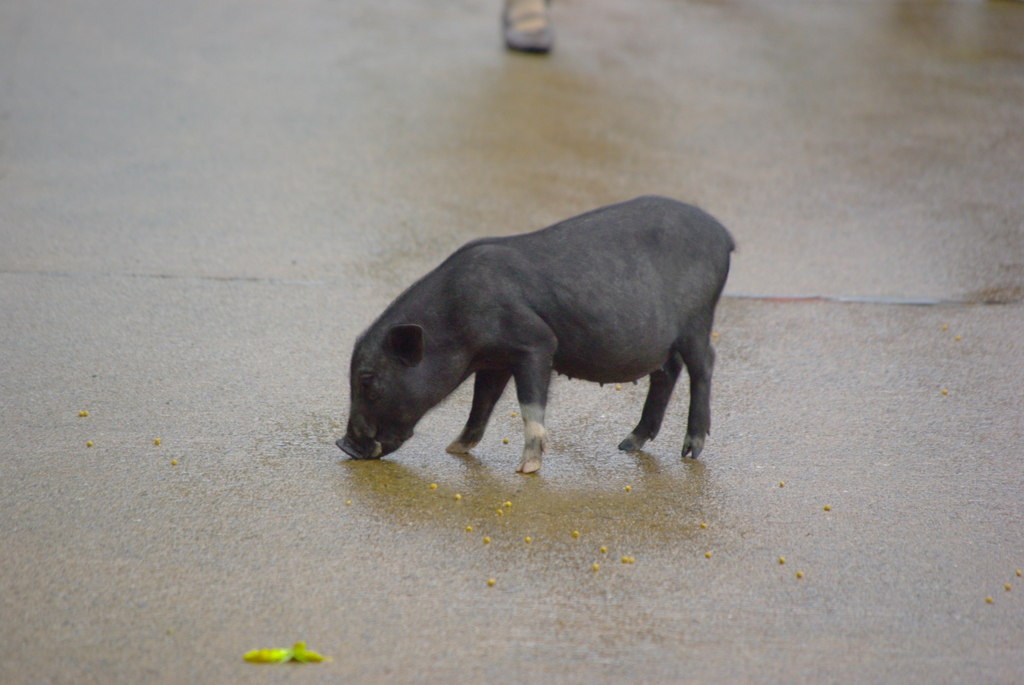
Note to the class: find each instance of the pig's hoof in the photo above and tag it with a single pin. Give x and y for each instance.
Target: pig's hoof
(694, 445)
(529, 466)
(459, 447)
(632, 443)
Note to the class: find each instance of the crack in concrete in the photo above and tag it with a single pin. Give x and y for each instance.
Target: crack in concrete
(845, 299)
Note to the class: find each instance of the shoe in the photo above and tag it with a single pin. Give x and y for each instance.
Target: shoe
(527, 26)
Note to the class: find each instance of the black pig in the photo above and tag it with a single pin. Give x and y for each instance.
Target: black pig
(617, 293)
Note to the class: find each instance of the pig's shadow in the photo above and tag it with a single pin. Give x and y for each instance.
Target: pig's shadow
(666, 501)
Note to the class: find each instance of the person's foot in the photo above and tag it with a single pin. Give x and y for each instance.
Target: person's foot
(527, 26)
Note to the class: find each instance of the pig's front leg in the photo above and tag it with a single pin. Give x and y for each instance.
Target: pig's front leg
(535, 438)
(532, 379)
(487, 389)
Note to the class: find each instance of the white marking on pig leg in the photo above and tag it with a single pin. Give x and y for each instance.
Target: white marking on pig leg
(460, 447)
(535, 442)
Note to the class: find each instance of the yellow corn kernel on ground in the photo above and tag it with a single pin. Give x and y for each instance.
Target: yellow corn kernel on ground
(88, 443)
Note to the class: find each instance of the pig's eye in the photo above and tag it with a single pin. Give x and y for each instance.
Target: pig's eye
(366, 384)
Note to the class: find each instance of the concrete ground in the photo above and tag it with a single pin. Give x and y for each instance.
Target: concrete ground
(203, 203)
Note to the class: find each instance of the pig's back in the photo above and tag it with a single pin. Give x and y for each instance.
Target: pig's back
(650, 224)
(620, 284)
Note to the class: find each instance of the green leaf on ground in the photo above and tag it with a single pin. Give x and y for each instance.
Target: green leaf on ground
(279, 656)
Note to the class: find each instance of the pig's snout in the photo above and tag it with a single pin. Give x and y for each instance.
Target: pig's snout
(372, 450)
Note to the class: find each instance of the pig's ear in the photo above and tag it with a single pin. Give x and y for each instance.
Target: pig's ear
(404, 342)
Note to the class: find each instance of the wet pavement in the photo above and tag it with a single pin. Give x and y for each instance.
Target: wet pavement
(202, 205)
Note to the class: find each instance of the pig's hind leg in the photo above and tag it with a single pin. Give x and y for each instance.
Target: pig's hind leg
(699, 357)
(487, 389)
(662, 382)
